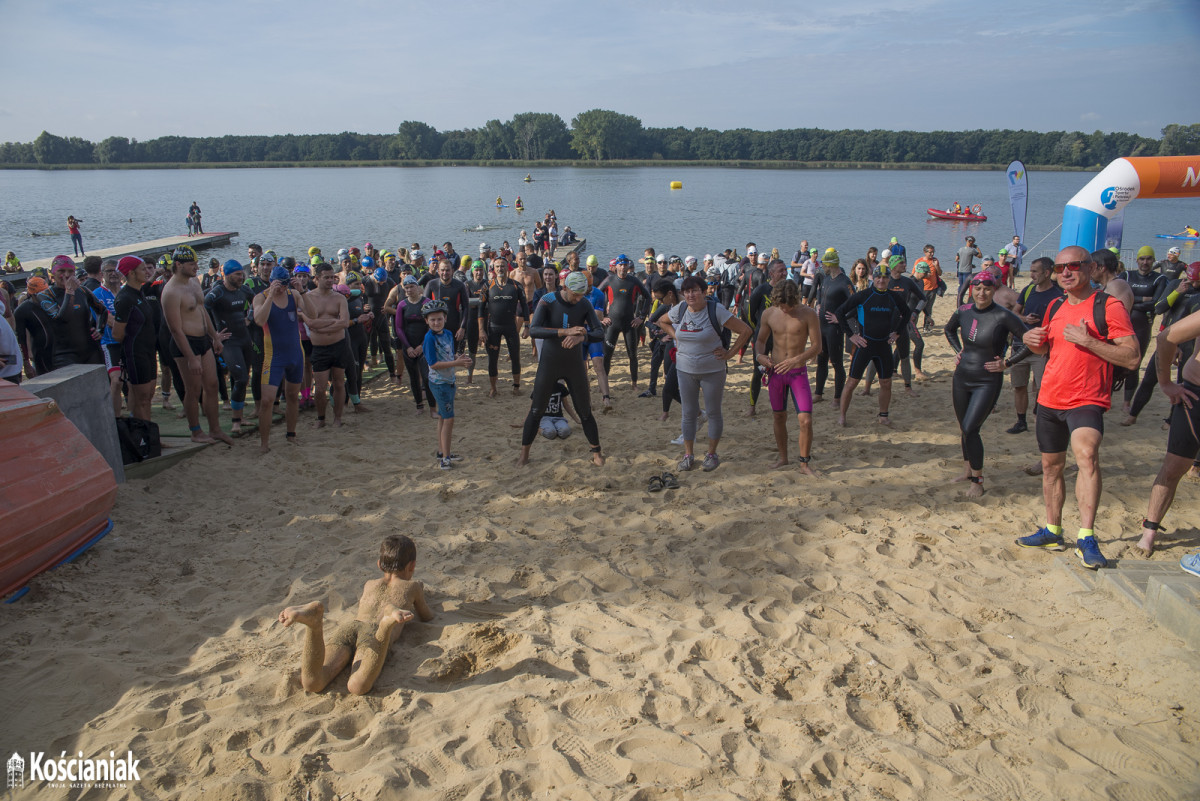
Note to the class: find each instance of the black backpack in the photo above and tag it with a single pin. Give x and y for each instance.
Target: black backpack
(1100, 316)
(139, 439)
(725, 334)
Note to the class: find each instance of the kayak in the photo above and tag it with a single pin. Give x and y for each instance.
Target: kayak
(949, 215)
(502, 205)
(1179, 236)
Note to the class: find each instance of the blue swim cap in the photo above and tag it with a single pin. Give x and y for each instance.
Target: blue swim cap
(280, 274)
(233, 266)
(304, 268)
(367, 263)
(380, 274)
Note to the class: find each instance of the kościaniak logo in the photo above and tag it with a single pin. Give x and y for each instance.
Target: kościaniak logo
(109, 773)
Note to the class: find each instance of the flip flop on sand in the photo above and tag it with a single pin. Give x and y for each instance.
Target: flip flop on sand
(669, 481)
(655, 484)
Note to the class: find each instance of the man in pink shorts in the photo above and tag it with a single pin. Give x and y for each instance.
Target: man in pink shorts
(789, 335)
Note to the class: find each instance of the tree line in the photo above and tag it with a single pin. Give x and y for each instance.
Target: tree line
(600, 135)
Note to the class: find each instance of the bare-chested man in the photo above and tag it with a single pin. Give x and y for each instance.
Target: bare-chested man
(194, 346)
(795, 334)
(528, 274)
(385, 606)
(331, 354)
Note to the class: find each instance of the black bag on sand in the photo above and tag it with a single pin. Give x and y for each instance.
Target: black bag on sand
(139, 439)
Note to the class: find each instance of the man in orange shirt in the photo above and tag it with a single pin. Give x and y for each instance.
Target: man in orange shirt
(1076, 393)
(929, 270)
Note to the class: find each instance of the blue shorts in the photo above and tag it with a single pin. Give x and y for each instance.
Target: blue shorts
(443, 396)
(285, 368)
(596, 349)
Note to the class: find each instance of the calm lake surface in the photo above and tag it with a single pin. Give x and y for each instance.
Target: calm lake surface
(617, 210)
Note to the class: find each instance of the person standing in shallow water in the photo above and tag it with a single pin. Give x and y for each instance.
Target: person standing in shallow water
(76, 237)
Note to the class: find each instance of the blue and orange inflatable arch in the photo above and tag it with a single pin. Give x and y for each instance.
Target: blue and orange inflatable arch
(1086, 216)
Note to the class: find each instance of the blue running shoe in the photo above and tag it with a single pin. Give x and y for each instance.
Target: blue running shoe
(1191, 564)
(1089, 553)
(1042, 539)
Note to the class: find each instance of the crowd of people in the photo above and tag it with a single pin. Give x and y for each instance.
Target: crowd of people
(300, 333)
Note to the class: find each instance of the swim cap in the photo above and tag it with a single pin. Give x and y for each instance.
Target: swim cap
(894, 240)
(304, 268)
(380, 274)
(353, 278)
(1193, 271)
(750, 251)
(315, 260)
(387, 254)
(287, 263)
(280, 274)
(881, 271)
(831, 257)
(1145, 251)
(165, 261)
(577, 282)
(231, 266)
(895, 261)
(812, 251)
(483, 247)
(1172, 250)
(368, 264)
(368, 246)
(355, 251)
(270, 257)
(762, 258)
(36, 285)
(661, 259)
(690, 261)
(410, 281)
(342, 253)
(314, 251)
(885, 255)
(592, 261)
(479, 263)
(985, 277)
(1002, 252)
(183, 253)
(128, 264)
(417, 254)
(62, 261)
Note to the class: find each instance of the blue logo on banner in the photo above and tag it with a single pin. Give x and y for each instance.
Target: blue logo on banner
(1108, 198)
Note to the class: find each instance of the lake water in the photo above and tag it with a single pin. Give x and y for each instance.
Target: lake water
(618, 210)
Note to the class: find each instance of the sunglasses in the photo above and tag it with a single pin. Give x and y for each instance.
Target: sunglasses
(1071, 266)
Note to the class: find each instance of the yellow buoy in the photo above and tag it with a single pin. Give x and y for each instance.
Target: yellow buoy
(677, 184)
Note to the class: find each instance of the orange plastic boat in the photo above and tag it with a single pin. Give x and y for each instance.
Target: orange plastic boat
(56, 490)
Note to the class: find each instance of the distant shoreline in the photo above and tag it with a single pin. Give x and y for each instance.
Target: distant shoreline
(530, 165)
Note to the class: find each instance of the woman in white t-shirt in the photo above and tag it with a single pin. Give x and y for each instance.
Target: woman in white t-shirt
(700, 363)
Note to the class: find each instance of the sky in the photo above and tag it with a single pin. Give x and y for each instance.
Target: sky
(144, 69)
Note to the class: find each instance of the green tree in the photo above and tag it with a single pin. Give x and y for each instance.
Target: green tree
(416, 140)
(600, 134)
(539, 136)
(1180, 140)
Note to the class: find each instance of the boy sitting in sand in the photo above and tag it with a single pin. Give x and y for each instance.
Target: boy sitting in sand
(386, 605)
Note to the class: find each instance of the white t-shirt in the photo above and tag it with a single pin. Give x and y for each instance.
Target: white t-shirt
(696, 340)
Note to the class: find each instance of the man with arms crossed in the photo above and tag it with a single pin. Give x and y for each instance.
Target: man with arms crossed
(795, 335)
(275, 311)
(331, 357)
(194, 345)
(1076, 394)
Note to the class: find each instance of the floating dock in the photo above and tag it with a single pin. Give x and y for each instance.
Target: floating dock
(168, 243)
(560, 251)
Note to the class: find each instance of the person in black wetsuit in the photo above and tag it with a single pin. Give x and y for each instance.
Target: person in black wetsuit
(910, 346)
(565, 324)
(760, 299)
(476, 283)
(69, 307)
(377, 286)
(1182, 297)
(980, 364)
(874, 319)
(410, 327)
(361, 320)
(229, 302)
(1148, 287)
(503, 313)
(627, 304)
(134, 328)
(448, 289)
(832, 289)
(33, 329)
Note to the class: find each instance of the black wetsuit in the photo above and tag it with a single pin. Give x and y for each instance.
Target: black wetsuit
(760, 299)
(560, 363)
(454, 295)
(359, 337)
(71, 325)
(499, 308)
(229, 308)
(910, 341)
(255, 285)
(153, 293)
(1184, 305)
(831, 293)
(627, 299)
(750, 278)
(410, 331)
(985, 334)
(380, 338)
(874, 316)
(474, 301)
(670, 389)
(32, 320)
(140, 344)
(1148, 289)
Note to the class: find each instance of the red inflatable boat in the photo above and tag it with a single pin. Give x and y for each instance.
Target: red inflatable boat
(968, 216)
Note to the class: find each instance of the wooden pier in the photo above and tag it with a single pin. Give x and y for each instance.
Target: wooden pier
(561, 251)
(164, 245)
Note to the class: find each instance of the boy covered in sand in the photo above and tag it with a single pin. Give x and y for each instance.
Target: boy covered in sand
(385, 606)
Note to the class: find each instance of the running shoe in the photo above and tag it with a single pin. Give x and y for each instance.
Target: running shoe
(1019, 427)
(711, 462)
(1191, 564)
(1089, 553)
(453, 457)
(678, 440)
(1042, 539)
(687, 463)
(444, 464)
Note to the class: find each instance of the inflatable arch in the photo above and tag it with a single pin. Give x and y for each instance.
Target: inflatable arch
(1086, 216)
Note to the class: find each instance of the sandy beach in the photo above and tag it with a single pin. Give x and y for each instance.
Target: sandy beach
(869, 633)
